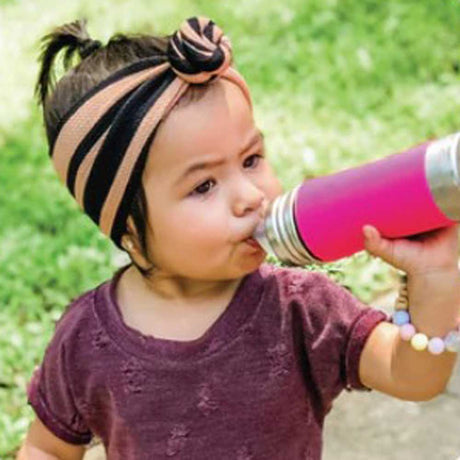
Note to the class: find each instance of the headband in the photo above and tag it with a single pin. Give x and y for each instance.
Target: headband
(101, 145)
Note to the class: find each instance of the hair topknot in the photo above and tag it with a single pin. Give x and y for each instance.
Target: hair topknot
(199, 51)
(73, 37)
(88, 46)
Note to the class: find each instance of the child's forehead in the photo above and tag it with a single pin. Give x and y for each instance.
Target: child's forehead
(219, 123)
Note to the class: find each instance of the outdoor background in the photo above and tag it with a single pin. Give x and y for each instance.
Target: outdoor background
(335, 83)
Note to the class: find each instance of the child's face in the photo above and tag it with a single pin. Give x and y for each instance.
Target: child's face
(200, 221)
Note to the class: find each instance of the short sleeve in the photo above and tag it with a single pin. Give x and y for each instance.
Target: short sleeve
(49, 392)
(335, 326)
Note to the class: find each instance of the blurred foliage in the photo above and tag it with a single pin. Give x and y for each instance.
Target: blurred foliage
(334, 83)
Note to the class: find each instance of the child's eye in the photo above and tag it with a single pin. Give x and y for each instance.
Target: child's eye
(202, 189)
(257, 155)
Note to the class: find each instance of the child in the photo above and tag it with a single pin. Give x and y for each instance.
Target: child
(199, 349)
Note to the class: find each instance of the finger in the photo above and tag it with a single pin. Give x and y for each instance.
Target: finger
(376, 245)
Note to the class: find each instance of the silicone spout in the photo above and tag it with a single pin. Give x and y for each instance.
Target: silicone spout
(260, 236)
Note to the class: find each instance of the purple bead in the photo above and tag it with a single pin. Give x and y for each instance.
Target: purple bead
(401, 317)
(436, 346)
(407, 331)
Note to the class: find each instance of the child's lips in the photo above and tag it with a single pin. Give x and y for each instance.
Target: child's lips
(253, 243)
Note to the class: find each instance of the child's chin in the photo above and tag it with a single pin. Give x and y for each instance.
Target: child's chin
(255, 260)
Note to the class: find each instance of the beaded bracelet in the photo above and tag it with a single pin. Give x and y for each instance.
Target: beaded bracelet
(418, 340)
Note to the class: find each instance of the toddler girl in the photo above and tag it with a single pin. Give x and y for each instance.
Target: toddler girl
(199, 349)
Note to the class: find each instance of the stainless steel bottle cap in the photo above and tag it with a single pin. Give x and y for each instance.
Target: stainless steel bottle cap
(442, 168)
(278, 234)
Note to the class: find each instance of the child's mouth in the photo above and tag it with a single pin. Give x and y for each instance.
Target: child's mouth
(253, 243)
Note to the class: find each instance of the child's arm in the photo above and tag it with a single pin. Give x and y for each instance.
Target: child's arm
(42, 444)
(388, 363)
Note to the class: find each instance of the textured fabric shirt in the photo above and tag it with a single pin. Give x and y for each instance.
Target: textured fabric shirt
(257, 385)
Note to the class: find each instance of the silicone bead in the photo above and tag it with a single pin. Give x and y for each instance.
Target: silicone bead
(452, 341)
(436, 346)
(401, 317)
(407, 331)
(419, 341)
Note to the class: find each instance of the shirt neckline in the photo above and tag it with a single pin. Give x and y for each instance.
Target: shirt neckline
(238, 314)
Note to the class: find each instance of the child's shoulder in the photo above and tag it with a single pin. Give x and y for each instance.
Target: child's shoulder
(78, 316)
(294, 274)
(300, 284)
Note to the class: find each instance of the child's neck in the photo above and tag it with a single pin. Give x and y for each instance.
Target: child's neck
(179, 317)
(166, 288)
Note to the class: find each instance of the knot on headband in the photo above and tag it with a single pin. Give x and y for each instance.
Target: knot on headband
(199, 51)
(101, 145)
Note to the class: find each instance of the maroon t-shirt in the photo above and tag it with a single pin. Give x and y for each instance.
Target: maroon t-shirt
(256, 385)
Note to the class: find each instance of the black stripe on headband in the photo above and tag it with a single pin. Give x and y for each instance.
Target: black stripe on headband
(90, 139)
(123, 129)
(207, 31)
(119, 224)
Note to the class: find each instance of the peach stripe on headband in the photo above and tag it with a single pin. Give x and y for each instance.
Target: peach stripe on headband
(232, 75)
(148, 124)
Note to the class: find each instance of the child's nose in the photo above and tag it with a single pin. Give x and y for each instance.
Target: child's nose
(248, 197)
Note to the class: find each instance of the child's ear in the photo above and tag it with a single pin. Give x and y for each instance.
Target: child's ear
(127, 243)
(130, 226)
(129, 238)
(131, 229)
(130, 241)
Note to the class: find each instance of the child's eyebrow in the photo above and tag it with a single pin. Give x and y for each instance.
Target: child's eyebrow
(204, 165)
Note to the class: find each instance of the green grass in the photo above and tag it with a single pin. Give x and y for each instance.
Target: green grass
(334, 84)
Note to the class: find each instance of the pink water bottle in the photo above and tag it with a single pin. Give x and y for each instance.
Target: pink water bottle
(402, 195)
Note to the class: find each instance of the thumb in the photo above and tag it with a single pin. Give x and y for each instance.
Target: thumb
(375, 244)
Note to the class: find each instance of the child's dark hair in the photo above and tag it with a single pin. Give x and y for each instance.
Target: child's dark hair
(97, 62)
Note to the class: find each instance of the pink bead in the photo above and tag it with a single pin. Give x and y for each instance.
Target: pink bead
(407, 331)
(436, 346)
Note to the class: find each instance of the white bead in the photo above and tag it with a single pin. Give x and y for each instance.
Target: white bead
(419, 341)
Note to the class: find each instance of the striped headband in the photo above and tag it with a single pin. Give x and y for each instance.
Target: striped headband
(101, 145)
